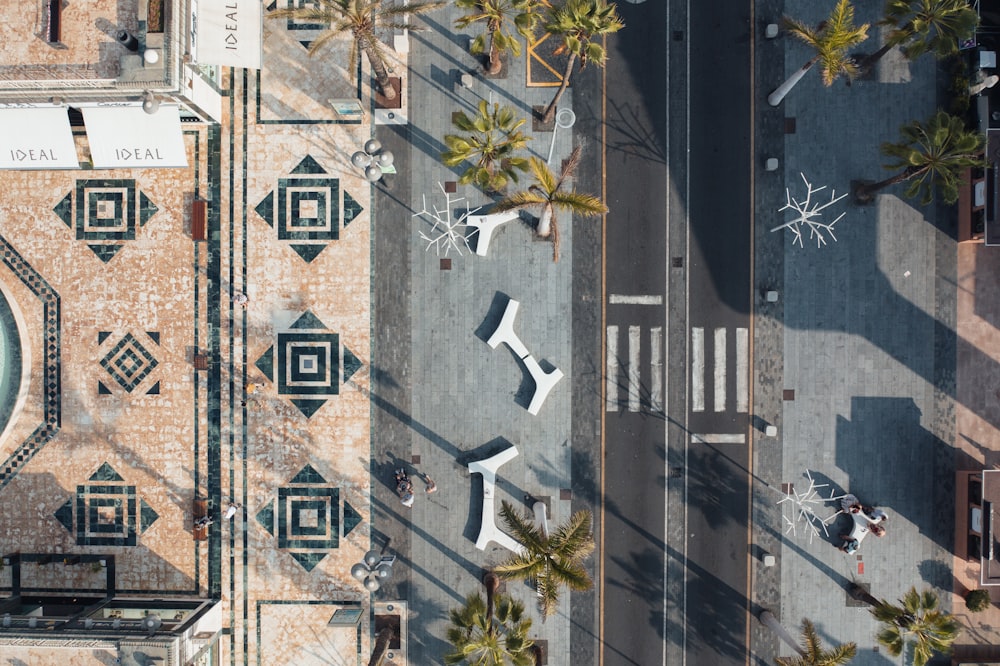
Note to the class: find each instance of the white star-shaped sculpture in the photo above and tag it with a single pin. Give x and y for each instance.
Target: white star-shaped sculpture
(446, 232)
(807, 214)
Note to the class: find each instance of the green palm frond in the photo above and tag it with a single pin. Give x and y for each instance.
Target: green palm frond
(577, 22)
(549, 562)
(523, 528)
(544, 177)
(518, 200)
(491, 142)
(575, 537)
(929, 26)
(934, 154)
(832, 41)
(360, 18)
(584, 205)
(812, 653)
(547, 194)
(499, 641)
(916, 622)
(503, 21)
(569, 573)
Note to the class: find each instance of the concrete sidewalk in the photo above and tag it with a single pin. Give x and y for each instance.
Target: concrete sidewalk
(856, 362)
(441, 396)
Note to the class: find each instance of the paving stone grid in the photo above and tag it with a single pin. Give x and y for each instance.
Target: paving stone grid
(856, 362)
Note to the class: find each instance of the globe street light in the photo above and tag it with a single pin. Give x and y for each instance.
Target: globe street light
(373, 160)
(373, 570)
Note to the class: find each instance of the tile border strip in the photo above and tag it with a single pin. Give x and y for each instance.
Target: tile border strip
(52, 377)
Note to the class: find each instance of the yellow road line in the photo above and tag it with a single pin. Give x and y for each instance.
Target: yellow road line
(604, 342)
(750, 475)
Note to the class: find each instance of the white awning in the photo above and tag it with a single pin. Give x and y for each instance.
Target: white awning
(228, 32)
(127, 136)
(36, 138)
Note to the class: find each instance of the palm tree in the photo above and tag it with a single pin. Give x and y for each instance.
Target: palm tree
(503, 18)
(916, 622)
(381, 647)
(490, 634)
(831, 40)
(491, 142)
(923, 26)
(549, 561)
(811, 653)
(577, 23)
(546, 193)
(933, 153)
(360, 18)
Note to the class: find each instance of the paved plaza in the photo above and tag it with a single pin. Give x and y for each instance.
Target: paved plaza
(145, 386)
(876, 361)
(117, 430)
(148, 386)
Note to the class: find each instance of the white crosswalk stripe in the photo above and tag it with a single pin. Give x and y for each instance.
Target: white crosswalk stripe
(633, 368)
(721, 362)
(628, 370)
(719, 380)
(611, 371)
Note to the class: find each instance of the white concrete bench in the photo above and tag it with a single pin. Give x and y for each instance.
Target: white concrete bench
(541, 517)
(544, 383)
(488, 530)
(486, 225)
(505, 331)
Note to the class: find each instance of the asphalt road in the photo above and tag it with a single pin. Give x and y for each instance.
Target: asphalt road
(675, 517)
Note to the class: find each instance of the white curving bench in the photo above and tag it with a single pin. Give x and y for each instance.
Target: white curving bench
(486, 225)
(544, 383)
(505, 331)
(541, 517)
(488, 530)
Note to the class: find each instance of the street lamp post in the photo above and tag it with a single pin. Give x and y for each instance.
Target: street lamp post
(373, 570)
(373, 160)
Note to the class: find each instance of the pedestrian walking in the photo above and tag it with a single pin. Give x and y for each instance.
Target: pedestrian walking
(241, 299)
(231, 511)
(404, 487)
(431, 486)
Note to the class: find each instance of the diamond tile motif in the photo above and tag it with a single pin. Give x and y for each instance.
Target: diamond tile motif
(294, 530)
(147, 516)
(308, 475)
(266, 517)
(307, 520)
(308, 363)
(104, 213)
(65, 515)
(307, 209)
(128, 362)
(105, 473)
(351, 518)
(106, 510)
(308, 560)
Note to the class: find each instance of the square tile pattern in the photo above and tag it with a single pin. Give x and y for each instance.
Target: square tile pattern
(308, 363)
(308, 209)
(106, 515)
(105, 209)
(308, 517)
